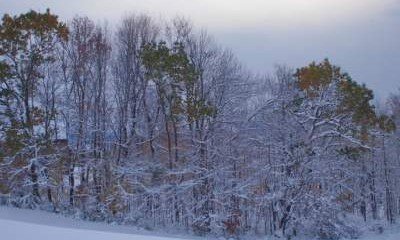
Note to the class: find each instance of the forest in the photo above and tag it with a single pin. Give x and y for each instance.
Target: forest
(154, 124)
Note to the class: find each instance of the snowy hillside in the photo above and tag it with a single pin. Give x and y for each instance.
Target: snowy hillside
(20, 224)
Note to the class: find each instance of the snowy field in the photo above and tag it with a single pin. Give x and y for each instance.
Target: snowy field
(392, 234)
(19, 224)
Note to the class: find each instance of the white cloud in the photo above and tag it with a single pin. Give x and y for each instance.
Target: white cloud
(224, 14)
(242, 13)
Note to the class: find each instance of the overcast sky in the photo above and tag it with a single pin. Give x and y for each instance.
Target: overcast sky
(362, 36)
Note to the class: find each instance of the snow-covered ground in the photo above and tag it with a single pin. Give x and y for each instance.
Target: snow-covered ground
(13, 230)
(389, 234)
(21, 224)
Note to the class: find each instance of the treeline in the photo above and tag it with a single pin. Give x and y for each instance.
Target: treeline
(154, 124)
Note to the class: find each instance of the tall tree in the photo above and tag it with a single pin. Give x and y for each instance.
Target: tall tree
(27, 43)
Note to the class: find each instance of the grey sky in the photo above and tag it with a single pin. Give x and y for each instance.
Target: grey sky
(362, 36)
